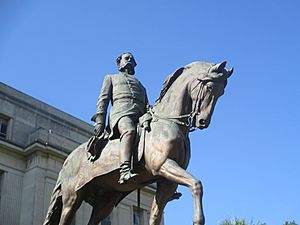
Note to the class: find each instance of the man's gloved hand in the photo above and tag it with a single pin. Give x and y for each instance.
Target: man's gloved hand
(98, 129)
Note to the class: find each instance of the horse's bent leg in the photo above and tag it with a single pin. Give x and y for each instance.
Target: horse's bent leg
(71, 202)
(103, 207)
(173, 172)
(164, 192)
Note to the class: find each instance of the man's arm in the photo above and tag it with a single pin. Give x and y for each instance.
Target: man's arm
(102, 104)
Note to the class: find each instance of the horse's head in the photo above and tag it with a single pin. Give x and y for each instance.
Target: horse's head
(205, 91)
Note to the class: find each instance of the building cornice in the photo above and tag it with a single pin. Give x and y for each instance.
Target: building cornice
(32, 148)
(38, 107)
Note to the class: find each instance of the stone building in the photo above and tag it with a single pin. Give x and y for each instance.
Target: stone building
(35, 138)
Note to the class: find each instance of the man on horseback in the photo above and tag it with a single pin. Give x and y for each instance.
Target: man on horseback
(129, 101)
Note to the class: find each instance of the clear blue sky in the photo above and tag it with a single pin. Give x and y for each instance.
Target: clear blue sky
(249, 158)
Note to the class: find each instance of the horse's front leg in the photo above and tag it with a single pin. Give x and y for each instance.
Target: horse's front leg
(164, 193)
(173, 172)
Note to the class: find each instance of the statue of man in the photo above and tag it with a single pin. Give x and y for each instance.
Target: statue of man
(129, 101)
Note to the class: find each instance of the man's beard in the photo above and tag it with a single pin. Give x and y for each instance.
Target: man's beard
(129, 67)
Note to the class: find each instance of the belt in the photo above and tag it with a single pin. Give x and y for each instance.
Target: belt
(128, 100)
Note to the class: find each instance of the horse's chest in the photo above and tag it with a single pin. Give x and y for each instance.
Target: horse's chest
(170, 142)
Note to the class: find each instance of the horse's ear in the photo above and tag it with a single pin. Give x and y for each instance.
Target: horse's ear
(222, 66)
(229, 72)
(218, 68)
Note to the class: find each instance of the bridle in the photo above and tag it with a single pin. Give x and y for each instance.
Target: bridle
(190, 116)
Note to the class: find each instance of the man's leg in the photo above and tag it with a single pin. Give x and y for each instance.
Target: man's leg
(127, 129)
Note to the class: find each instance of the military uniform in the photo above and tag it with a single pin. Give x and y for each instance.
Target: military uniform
(128, 98)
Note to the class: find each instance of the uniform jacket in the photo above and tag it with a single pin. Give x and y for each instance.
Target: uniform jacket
(127, 95)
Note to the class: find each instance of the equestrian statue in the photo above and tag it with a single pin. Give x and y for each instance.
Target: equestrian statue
(141, 144)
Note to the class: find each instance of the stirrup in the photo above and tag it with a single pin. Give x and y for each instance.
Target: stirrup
(125, 172)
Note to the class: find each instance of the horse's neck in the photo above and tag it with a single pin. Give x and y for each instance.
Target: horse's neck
(176, 100)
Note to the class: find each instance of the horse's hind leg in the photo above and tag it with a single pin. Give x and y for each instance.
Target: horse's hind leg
(164, 192)
(71, 202)
(173, 172)
(103, 206)
(99, 213)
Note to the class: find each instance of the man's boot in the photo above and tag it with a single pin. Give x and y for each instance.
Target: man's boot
(125, 172)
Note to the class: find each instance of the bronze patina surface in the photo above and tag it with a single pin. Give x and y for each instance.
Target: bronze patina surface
(186, 102)
(129, 101)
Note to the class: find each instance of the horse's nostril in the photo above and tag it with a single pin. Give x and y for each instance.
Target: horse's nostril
(202, 122)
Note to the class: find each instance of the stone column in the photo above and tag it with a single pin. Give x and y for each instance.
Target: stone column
(39, 180)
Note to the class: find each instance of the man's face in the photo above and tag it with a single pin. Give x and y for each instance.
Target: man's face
(127, 60)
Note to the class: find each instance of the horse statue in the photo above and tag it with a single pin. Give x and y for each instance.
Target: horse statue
(186, 102)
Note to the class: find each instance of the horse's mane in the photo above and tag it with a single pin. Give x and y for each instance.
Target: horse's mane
(193, 68)
(168, 82)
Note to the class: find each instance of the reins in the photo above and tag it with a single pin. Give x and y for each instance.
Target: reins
(190, 116)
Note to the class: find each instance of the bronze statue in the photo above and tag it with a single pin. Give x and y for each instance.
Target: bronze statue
(186, 102)
(129, 102)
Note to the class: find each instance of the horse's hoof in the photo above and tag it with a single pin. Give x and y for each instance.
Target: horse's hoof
(176, 196)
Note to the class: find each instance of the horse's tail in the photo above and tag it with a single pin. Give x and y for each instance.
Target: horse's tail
(55, 206)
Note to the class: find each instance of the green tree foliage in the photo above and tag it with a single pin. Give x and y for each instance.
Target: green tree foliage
(290, 223)
(236, 221)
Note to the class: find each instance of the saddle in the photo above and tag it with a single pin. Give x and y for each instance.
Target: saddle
(102, 154)
(96, 144)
